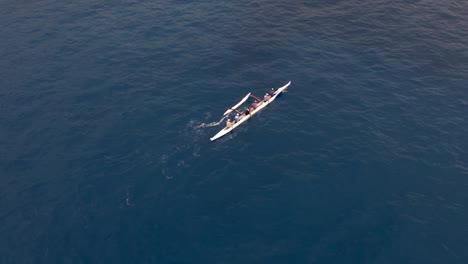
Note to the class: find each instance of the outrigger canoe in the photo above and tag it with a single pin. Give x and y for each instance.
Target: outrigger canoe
(244, 117)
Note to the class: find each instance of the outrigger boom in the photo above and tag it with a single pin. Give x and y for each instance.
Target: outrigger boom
(260, 106)
(255, 97)
(237, 105)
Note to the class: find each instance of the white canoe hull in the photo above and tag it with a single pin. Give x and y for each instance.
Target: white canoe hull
(244, 118)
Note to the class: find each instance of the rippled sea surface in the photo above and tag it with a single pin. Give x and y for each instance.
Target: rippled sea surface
(107, 108)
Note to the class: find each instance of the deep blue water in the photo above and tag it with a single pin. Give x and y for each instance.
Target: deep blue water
(107, 108)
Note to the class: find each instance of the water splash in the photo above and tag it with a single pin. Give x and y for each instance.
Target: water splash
(212, 124)
(192, 138)
(126, 202)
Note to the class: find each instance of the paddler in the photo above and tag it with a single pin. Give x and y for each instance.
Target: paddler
(272, 91)
(237, 118)
(255, 104)
(229, 123)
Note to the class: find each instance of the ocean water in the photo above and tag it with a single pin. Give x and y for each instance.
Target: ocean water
(107, 108)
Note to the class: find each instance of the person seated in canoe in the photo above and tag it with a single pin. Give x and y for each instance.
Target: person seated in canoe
(229, 123)
(255, 104)
(247, 111)
(272, 91)
(266, 97)
(237, 118)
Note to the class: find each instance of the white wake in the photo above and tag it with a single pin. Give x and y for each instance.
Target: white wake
(188, 148)
(212, 124)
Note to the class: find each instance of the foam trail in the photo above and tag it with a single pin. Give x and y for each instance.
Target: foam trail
(212, 124)
(188, 149)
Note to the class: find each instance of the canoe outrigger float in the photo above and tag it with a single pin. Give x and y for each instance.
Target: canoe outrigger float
(244, 117)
